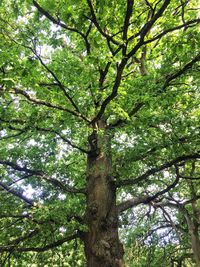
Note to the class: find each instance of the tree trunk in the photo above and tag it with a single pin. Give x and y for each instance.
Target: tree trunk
(195, 242)
(195, 246)
(102, 246)
(193, 224)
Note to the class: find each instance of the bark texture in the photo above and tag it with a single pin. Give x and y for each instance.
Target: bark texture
(102, 245)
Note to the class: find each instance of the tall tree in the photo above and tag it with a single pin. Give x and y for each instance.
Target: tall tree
(99, 109)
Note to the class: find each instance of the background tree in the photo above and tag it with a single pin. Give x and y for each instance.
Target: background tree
(99, 111)
(167, 229)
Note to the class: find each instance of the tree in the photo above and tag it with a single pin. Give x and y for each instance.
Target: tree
(171, 231)
(99, 109)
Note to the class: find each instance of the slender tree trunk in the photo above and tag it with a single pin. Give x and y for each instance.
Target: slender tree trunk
(195, 242)
(193, 221)
(195, 245)
(102, 246)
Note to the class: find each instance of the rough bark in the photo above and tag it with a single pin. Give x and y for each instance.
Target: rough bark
(102, 245)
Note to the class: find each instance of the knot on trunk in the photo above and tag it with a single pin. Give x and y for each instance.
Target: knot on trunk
(93, 142)
(102, 251)
(108, 222)
(93, 210)
(108, 253)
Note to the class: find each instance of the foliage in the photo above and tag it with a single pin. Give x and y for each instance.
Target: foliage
(65, 66)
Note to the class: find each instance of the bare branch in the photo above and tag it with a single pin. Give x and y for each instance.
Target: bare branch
(26, 176)
(155, 148)
(20, 216)
(189, 178)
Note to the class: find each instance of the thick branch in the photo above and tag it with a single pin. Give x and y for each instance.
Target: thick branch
(134, 110)
(122, 65)
(147, 199)
(157, 37)
(114, 90)
(17, 167)
(40, 129)
(156, 170)
(23, 238)
(150, 23)
(63, 138)
(57, 183)
(40, 249)
(47, 104)
(61, 86)
(146, 28)
(42, 175)
(129, 10)
(16, 193)
(181, 71)
(130, 203)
